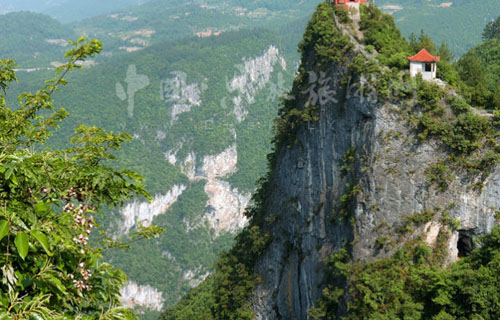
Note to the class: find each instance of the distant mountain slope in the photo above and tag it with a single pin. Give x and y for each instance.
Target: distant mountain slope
(162, 20)
(67, 10)
(201, 127)
(459, 22)
(32, 39)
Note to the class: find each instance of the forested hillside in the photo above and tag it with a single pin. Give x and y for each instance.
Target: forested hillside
(201, 124)
(154, 21)
(159, 20)
(67, 10)
(174, 140)
(480, 67)
(197, 85)
(34, 40)
(458, 22)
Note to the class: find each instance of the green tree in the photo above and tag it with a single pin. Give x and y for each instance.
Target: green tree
(496, 98)
(492, 30)
(422, 41)
(471, 70)
(445, 53)
(48, 201)
(473, 74)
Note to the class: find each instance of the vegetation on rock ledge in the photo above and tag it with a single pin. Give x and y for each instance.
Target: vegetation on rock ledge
(412, 285)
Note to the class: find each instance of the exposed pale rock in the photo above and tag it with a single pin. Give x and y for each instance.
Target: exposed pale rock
(58, 42)
(144, 212)
(221, 164)
(283, 63)
(225, 207)
(171, 157)
(169, 255)
(254, 75)
(160, 135)
(134, 295)
(179, 95)
(432, 229)
(189, 166)
(130, 49)
(195, 277)
(208, 33)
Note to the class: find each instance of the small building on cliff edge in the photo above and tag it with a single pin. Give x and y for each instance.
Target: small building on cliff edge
(425, 64)
(347, 2)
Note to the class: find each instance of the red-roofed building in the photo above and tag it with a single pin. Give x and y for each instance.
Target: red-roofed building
(425, 64)
(351, 5)
(347, 2)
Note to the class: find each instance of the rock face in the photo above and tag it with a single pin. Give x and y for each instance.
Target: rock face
(144, 212)
(389, 171)
(226, 206)
(307, 181)
(180, 95)
(254, 75)
(133, 295)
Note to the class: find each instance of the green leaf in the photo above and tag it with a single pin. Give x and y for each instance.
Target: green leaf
(14, 180)
(9, 173)
(57, 284)
(42, 238)
(41, 207)
(4, 228)
(22, 242)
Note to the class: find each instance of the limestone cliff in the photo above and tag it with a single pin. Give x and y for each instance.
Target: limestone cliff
(353, 177)
(367, 161)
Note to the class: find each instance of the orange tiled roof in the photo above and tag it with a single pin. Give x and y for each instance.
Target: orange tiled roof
(424, 56)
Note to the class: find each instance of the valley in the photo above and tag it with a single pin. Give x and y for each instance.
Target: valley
(198, 85)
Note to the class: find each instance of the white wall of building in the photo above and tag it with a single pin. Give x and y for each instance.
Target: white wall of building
(419, 67)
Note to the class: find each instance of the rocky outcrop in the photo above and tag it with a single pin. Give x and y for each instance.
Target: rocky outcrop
(195, 277)
(385, 183)
(254, 75)
(133, 295)
(144, 212)
(179, 95)
(226, 205)
(307, 182)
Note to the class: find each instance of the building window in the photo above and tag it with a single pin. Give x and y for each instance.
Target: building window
(428, 67)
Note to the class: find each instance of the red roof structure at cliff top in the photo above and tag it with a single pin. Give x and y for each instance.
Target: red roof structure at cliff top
(424, 56)
(345, 2)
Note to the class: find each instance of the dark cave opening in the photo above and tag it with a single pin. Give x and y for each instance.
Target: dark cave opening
(465, 243)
